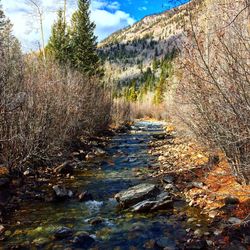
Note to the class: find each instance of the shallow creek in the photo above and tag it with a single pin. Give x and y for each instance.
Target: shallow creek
(35, 223)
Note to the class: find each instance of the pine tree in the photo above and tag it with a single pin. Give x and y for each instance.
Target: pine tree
(83, 41)
(58, 44)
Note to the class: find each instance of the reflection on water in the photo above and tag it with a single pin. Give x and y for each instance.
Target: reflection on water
(38, 221)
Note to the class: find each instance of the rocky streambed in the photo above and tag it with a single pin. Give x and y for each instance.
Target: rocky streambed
(109, 201)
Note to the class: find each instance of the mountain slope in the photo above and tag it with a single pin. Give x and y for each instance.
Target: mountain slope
(134, 51)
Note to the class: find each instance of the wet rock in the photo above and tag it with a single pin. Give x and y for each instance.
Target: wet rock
(143, 206)
(163, 196)
(63, 233)
(4, 182)
(162, 205)
(62, 193)
(40, 241)
(85, 196)
(136, 194)
(65, 168)
(164, 242)
(162, 202)
(83, 240)
(96, 221)
(230, 200)
(168, 179)
(234, 220)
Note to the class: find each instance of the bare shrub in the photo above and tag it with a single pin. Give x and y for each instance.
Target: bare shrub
(48, 109)
(213, 97)
(148, 109)
(121, 112)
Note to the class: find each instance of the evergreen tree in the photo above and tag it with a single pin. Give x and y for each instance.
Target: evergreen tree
(58, 44)
(83, 41)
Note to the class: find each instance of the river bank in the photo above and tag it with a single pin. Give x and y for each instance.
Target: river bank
(204, 180)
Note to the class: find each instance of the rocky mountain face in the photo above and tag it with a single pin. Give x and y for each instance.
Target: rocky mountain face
(136, 53)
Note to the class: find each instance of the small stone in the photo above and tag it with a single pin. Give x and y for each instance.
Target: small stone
(234, 220)
(63, 233)
(217, 232)
(149, 244)
(62, 192)
(83, 240)
(169, 187)
(85, 196)
(230, 200)
(196, 184)
(2, 229)
(192, 203)
(210, 243)
(28, 172)
(212, 214)
(99, 152)
(163, 242)
(198, 232)
(188, 230)
(90, 156)
(96, 221)
(161, 158)
(191, 220)
(168, 179)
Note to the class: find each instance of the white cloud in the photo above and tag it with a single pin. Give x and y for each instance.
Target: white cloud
(107, 16)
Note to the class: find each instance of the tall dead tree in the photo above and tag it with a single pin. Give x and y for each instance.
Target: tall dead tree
(37, 11)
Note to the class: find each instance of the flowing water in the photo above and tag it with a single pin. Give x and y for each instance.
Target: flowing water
(35, 223)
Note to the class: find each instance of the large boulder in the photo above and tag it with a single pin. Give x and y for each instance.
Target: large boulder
(162, 202)
(136, 194)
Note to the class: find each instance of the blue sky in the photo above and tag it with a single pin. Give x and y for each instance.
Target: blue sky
(109, 16)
